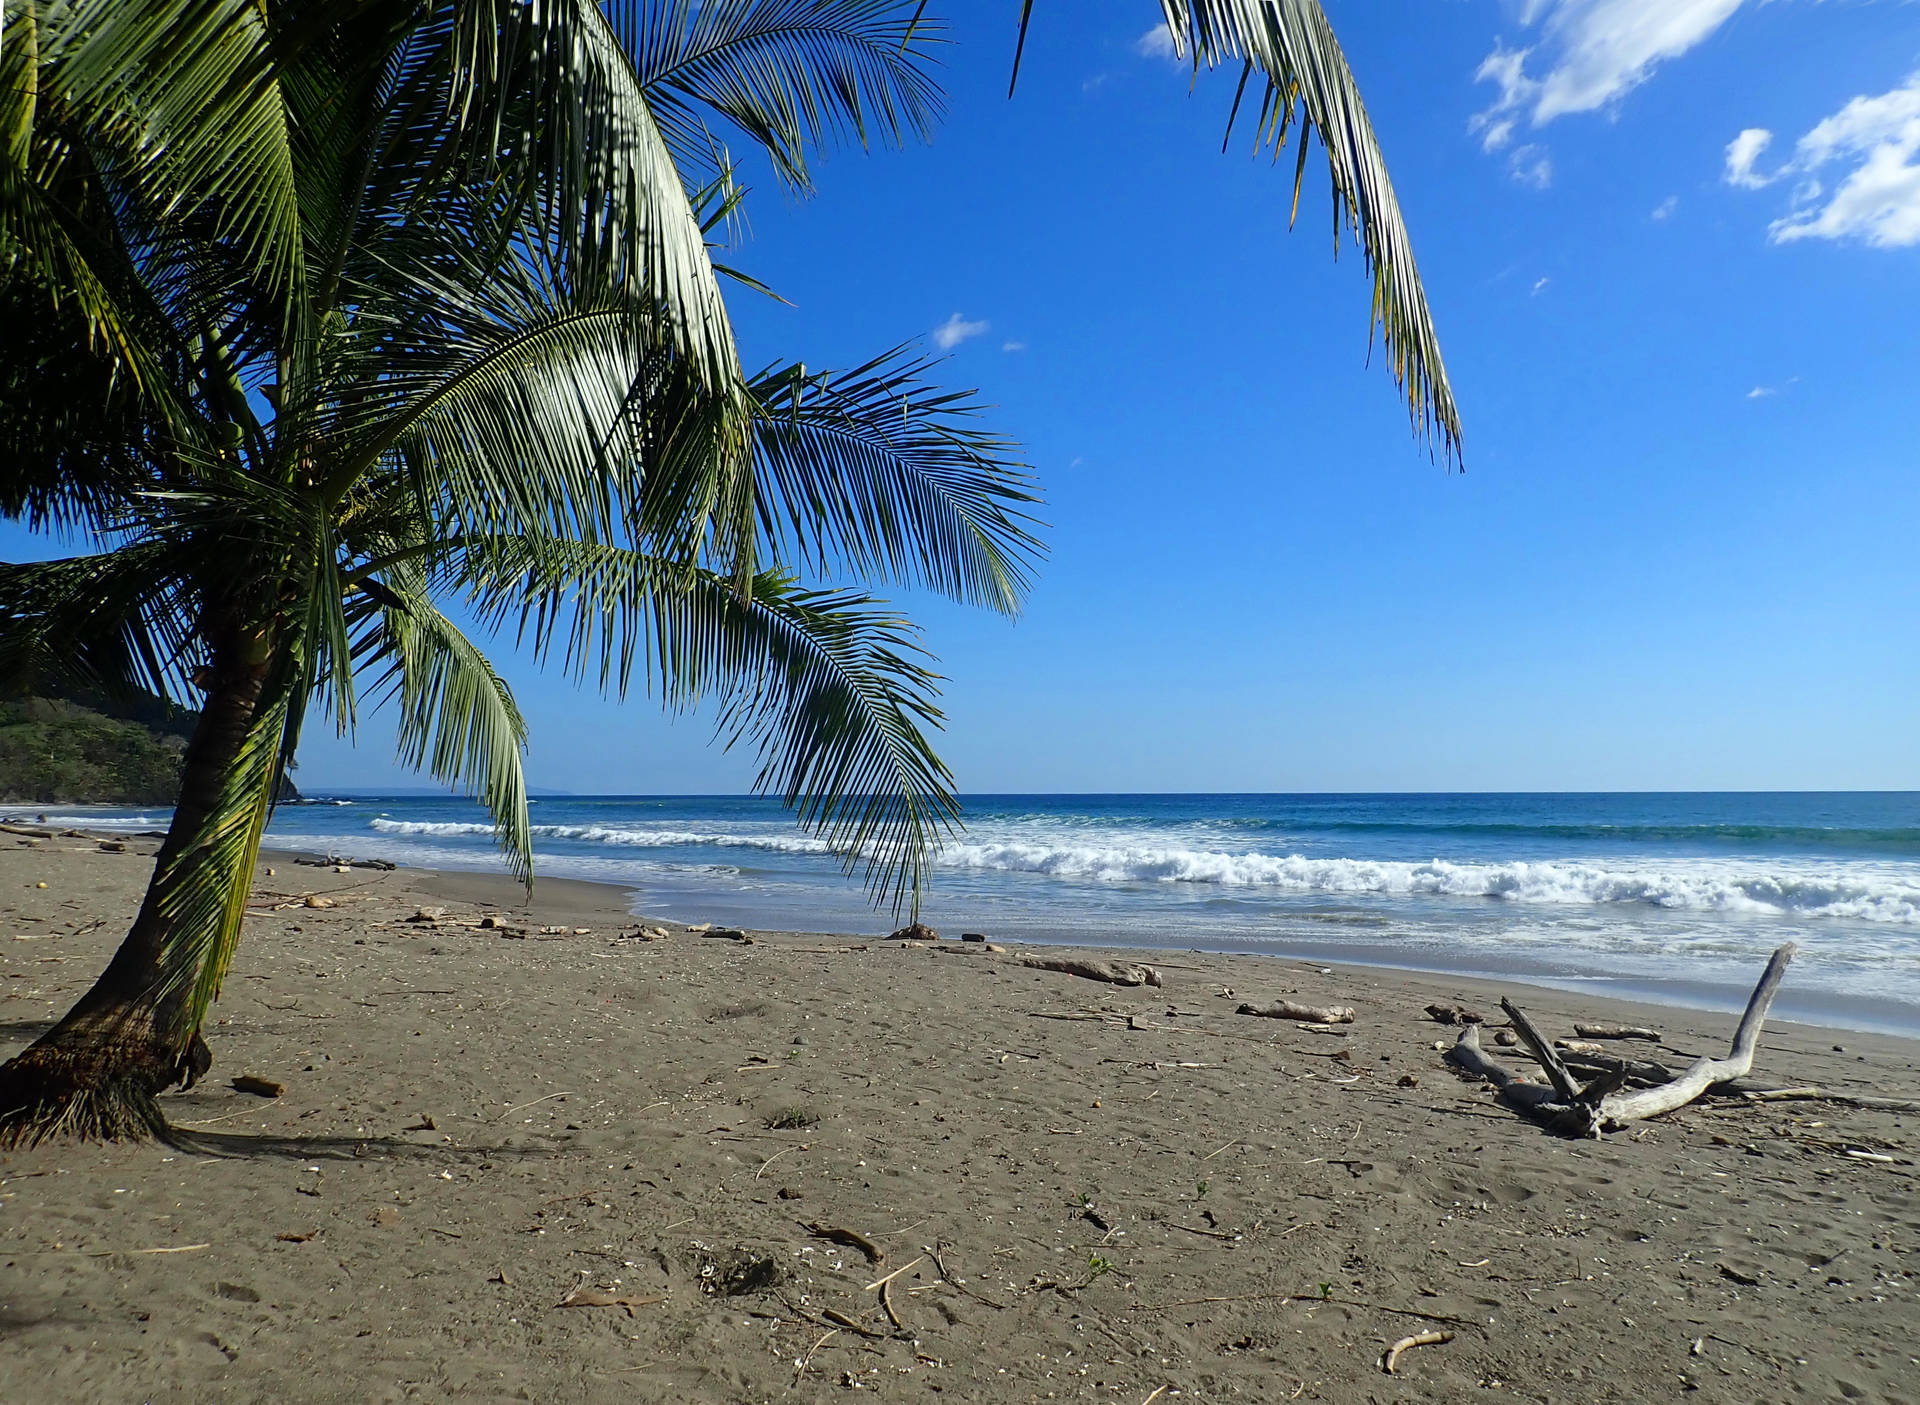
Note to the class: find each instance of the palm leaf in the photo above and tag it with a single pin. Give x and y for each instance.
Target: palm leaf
(828, 687)
(457, 717)
(791, 75)
(877, 471)
(1291, 45)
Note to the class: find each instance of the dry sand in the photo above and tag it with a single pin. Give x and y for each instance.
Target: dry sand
(1082, 1192)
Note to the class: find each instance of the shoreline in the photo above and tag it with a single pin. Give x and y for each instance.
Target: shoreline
(1817, 1010)
(548, 1158)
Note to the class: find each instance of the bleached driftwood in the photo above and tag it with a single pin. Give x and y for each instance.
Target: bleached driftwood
(1616, 1031)
(1568, 1107)
(1310, 1014)
(1591, 1058)
(1112, 972)
(1825, 1095)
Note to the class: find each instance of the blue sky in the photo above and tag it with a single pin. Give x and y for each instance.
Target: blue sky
(1682, 555)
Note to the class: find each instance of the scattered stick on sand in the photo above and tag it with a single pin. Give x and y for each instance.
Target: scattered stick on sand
(1392, 1358)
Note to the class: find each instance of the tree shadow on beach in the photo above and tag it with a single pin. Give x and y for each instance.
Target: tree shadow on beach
(248, 1146)
(22, 1032)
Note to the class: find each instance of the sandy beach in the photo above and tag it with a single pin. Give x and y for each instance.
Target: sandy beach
(547, 1159)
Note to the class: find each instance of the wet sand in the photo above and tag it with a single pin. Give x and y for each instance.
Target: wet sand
(1080, 1192)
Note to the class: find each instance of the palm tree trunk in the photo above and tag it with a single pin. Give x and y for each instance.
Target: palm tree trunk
(96, 1073)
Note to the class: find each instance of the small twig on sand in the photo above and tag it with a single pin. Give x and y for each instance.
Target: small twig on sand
(800, 1366)
(1307, 1298)
(1392, 1358)
(519, 1107)
(172, 1249)
(1158, 1391)
(883, 1282)
(940, 1267)
(886, 1305)
(773, 1158)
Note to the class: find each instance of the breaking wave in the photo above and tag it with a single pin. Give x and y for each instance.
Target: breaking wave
(1704, 887)
(1862, 892)
(618, 837)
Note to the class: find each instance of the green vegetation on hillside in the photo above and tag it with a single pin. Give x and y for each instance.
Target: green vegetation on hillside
(54, 752)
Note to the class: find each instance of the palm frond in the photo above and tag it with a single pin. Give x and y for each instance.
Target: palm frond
(793, 76)
(553, 85)
(179, 98)
(879, 471)
(829, 687)
(1293, 48)
(121, 622)
(457, 717)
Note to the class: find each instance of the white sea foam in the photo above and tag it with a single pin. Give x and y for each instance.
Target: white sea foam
(1702, 886)
(1870, 892)
(620, 837)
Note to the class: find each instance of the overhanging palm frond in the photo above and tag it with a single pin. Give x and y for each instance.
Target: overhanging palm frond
(179, 98)
(792, 75)
(828, 686)
(457, 717)
(1291, 45)
(877, 470)
(120, 621)
(553, 84)
(1301, 65)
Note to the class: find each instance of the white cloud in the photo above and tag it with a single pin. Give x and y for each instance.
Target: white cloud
(1539, 287)
(1530, 165)
(1761, 392)
(1742, 152)
(1156, 43)
(1590, 54)
(1878, 199)
(955, 330)
(1664, 210)
(1013, 346)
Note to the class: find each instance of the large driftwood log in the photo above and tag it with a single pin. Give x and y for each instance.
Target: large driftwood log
(1310, 1014)
(1603, 1105)
(1112, 972)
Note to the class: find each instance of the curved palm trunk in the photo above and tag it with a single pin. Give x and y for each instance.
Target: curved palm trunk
(136, 1032)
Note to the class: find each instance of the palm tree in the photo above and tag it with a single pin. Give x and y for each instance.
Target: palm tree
(349, 308)
(389, 305)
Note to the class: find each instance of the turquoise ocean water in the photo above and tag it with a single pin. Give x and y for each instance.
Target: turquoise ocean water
(1674, 896)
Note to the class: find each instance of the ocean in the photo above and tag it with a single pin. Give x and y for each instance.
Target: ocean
(1673, 897)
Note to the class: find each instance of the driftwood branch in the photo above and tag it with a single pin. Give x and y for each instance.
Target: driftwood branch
(1622, 1108)
(1311, 1014)
(1112, 972)
(1616, 1031)
(1602, 1105)
(1826, 1095)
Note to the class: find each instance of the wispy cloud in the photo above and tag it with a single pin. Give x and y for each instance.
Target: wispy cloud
(1589, 54)
(1761, 392)
(1156, 43)
(955, 330)
(1539, 287)
(1664, 210)
(1531, 166)
(1877, 141)
(1013, 346)
(1742, 152)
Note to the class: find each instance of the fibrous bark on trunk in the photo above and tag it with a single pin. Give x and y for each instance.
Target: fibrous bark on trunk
(136, 1031)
